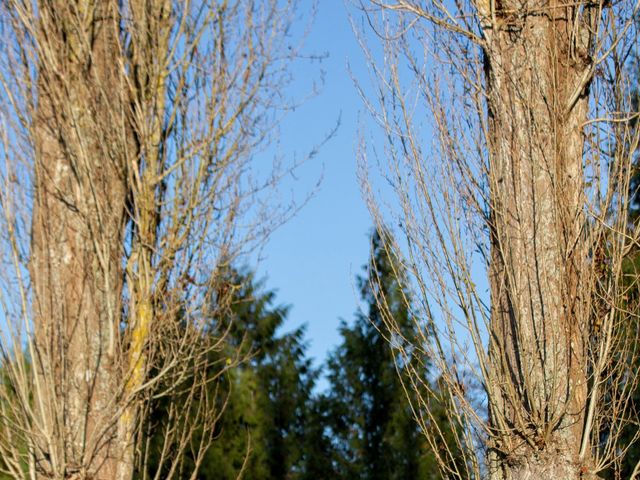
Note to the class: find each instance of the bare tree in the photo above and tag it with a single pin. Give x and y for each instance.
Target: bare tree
(129, 134)
(524, 189)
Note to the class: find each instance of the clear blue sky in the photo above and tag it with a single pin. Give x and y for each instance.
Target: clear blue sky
(313, 259)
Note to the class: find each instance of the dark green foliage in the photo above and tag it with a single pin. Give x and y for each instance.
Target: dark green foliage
(11, 362)
(374, 433)
(267, 396)
(275, 428)
(320, 458)
(630, 307)
(270, 393)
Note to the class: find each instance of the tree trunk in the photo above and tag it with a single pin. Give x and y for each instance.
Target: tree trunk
(77, 240)
(537, 71)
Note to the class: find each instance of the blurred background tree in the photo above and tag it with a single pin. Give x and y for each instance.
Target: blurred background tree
(267, 396)
(371, 421)
(280, 422)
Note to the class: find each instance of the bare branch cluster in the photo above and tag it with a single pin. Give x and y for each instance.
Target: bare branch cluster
(129, 137)
(513, 222)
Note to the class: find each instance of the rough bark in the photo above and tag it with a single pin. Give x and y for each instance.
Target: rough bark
(77, 247)
(537, 70)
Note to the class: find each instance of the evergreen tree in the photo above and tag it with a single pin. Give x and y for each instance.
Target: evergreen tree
(267, 397)
(320, 457)
(270, 394)
(374, 434)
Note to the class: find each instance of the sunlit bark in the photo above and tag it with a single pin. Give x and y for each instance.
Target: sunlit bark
(524, 186)
(129, 132)
(77, 232)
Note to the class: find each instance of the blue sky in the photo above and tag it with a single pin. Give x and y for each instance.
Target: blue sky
(312, 260)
